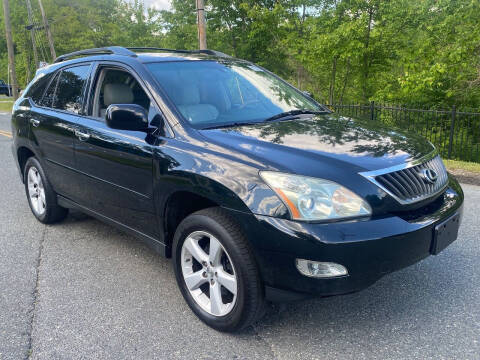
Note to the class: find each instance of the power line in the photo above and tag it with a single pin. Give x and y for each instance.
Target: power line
(47, 30)
(38, 40)
(38, 43)
(31, 27)
(27, 49)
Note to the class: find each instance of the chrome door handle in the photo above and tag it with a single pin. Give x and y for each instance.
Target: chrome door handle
(81, 135)
(35, 122)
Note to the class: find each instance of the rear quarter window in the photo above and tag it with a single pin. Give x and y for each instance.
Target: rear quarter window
(37, 88)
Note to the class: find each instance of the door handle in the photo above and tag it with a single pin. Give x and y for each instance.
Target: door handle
(81, 135)
(35, 122)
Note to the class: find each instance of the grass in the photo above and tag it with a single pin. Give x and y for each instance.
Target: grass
(6, 105)
(462, 165)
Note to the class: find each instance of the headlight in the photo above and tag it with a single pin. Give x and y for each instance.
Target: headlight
(310, 198)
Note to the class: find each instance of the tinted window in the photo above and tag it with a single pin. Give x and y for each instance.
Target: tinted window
(69, 94)
(37, 88)
(50, 93)
(209, 93)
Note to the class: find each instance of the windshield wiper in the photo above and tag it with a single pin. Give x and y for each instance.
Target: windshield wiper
(283, 115)
(291, 113)
(234, 124)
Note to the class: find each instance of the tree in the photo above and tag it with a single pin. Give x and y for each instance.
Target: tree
(405, 51)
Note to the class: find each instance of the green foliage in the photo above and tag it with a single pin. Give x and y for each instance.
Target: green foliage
(423, 52)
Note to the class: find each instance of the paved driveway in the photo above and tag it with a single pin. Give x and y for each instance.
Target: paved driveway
(82, 289)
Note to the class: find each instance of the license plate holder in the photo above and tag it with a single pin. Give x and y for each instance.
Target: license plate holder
(445, 233)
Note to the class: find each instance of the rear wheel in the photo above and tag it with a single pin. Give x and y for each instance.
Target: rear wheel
(41, 197)
(216, 271)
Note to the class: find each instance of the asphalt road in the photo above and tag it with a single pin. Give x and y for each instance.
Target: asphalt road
(83, 290)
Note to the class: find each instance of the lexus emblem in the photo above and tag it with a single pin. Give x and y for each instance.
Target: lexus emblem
(429, 175)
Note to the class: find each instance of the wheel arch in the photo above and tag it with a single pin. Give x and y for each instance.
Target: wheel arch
(182, 203)
(23, 154)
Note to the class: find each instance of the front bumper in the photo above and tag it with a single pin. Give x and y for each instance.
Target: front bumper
(369, 248)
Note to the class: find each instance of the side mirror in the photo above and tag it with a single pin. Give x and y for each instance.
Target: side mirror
(127, 117)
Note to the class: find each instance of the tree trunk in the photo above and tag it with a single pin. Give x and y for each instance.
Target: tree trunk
(345, 81)
(11, 55)
(366, 57)
(331, 91)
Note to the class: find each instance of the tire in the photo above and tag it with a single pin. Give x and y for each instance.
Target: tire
(44, 207)
(236, 260)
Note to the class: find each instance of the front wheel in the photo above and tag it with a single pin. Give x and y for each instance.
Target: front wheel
(216, 271)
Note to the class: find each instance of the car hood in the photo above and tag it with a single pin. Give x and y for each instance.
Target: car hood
(294, 144)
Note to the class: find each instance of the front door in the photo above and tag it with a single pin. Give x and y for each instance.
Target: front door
(117, 165)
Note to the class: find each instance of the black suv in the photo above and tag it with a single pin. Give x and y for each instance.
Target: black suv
(254, 189)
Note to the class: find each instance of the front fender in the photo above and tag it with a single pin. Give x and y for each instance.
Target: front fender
(224, 180)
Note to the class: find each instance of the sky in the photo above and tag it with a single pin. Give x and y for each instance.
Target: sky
(158, 4)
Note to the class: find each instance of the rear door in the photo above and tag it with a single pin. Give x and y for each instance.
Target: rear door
(53, 122)
(116, 166)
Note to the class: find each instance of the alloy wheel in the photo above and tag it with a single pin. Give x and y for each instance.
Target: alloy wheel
(209, 273)
(36, 191)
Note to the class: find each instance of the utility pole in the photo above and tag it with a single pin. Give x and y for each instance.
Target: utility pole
(31, 27)
(202, 32)
(11, 56)
(47, 29)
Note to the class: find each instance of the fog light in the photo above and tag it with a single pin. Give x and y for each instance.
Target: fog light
(320, 269)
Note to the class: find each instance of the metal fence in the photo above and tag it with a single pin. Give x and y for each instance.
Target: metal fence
(456, 134)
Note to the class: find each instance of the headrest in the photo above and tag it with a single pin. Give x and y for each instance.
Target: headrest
(189, 94)
(117, 94)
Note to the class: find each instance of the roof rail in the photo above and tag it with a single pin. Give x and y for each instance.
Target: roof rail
(213, 52)
(206, 51)
(116, 50)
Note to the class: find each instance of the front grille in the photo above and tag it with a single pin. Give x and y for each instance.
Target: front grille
(410, 184)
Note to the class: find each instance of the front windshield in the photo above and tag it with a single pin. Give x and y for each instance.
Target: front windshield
(211, 93)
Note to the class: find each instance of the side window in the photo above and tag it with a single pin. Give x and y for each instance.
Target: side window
(37, 88)
(69, 94)
(115, 86)
(50, 93)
